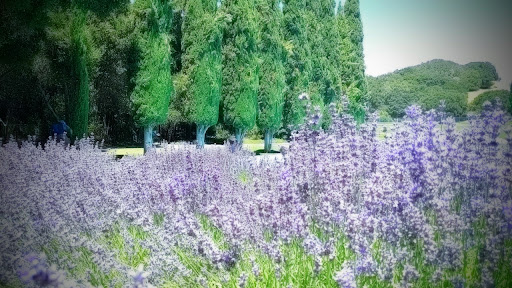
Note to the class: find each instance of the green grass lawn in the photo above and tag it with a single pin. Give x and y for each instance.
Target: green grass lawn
(260, 141)
(126, 151)
(255, 145)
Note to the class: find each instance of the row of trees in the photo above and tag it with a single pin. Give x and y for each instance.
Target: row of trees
(247, 61)
(241, 63)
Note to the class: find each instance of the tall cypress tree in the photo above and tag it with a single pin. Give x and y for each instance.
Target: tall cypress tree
(71, 52)
(77, 104)
(308, 28)
(354, 81)
(324, 46)
(240, 67)
(153, 83)
(272, 80)
(202, 63)
(298, 62)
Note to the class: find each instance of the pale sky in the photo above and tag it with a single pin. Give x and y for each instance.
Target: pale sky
(401, 33)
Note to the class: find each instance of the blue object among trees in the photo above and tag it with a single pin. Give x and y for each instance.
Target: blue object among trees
(59, 128)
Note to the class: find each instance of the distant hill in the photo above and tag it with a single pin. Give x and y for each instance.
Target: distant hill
(429, 83)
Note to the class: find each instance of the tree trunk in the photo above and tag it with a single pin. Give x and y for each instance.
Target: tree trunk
(268, 140)
(200, 135)
(239, 135)
(148, 138)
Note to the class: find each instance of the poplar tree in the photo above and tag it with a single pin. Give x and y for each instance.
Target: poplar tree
(298, 63)
(353, 68)
(271, 74)
(71, 52)
(153, 83)
(307, 59)
(202, 63)
(240, 67)
(77, 102)
(325, 50)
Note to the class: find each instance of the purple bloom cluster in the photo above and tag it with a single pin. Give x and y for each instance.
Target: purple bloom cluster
(35, 272)
(346, 277)
(428, 187)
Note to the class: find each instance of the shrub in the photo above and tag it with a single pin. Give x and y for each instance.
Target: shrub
(384, 116)
(503, 96)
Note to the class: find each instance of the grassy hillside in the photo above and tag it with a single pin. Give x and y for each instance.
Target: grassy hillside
(429, 83)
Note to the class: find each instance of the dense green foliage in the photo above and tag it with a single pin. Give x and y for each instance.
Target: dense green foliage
(271, 73)
(491, 96)
(51, 43)
(313, 63)
(153, 87)
(486, 75)
(82, 62)
(22, 28)
(111, 113)
(202, 66)
(95, 64)
(427, 84)
(77, 105)
(153, 83)
(352, 56)
(69, 39)
(240, 67)
(72, 56)
(298, 64)
(326, 57)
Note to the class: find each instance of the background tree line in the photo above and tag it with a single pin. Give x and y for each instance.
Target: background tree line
(117, 69)
(429, 83)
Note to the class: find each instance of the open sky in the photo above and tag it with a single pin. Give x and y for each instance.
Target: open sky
(401, 33)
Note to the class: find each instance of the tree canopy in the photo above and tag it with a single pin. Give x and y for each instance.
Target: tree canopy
(352, 56)
(110, 67)
(271, 73)
(240, 66)
(202, 66)
(153, 82)
(491, 96)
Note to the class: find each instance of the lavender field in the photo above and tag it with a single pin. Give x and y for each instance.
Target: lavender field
(429, 206)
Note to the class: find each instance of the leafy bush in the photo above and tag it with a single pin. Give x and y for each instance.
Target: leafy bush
(384, 116)
(255, 133)
(491, 96)
(486, 73)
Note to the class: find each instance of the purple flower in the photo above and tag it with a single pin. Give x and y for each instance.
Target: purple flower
(345, 278)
